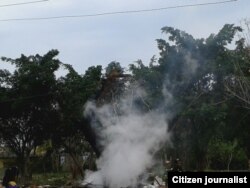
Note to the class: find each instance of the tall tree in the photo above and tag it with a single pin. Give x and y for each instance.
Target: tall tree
(27, 97)
(188, 81)
(74, 134)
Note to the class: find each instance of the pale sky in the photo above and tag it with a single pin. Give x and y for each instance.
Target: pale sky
(88, 41)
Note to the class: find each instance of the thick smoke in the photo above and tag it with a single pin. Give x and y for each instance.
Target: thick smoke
(131, 138)
(130, 141)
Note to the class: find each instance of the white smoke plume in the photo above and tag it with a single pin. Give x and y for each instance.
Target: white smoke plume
(130, 141)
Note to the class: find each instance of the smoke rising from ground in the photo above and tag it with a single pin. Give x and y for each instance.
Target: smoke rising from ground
(130, 138)
(130, 141)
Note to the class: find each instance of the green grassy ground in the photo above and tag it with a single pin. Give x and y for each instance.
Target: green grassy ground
(53, 179)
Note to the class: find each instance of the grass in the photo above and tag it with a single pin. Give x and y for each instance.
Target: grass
(52, 179)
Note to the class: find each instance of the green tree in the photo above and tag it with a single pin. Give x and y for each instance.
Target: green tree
(27, 97)
(226, 155)
(112, 85)
(74, 130)
(189, 83)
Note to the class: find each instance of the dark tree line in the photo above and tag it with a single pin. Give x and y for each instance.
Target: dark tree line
(202, 83)
(210, 124)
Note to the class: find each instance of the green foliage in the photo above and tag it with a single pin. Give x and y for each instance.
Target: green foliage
(201, 85)
(114, 66)
(197, 75)
(226, 155)
(52, 179)
(27, 95)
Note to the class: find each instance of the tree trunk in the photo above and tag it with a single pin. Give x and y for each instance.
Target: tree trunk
(76, 167)
(229, 161)
(25, 172)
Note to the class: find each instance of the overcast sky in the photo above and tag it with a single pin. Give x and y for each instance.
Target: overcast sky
(125, 38)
